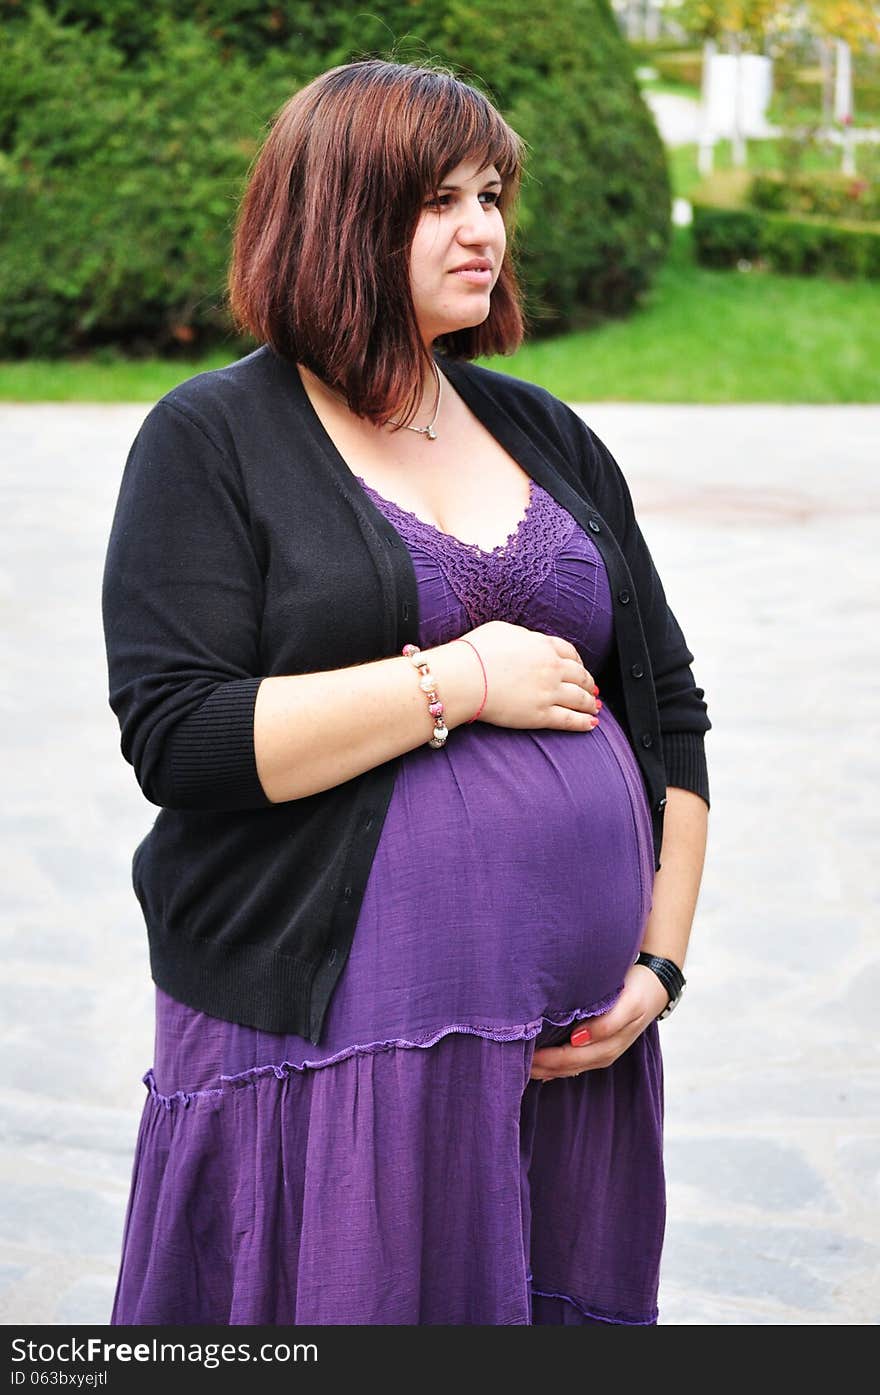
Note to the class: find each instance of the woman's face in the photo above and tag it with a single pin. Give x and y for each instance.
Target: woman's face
(463, 227)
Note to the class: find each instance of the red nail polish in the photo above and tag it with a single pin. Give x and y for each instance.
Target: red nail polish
(595, 690)
(581, 1037)
(600, 704)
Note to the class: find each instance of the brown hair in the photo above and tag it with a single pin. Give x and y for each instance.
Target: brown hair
(320, 259)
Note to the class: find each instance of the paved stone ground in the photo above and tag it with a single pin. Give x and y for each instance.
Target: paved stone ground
(762, 521)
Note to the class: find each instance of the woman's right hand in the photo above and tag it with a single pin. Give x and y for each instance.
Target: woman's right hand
(534, 679)
(305, 740)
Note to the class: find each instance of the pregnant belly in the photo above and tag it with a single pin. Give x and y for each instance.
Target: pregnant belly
(512, 880)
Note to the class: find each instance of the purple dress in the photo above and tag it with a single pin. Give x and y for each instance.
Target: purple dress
(407, 1170)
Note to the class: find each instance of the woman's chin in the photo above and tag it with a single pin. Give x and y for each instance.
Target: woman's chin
(467, 318)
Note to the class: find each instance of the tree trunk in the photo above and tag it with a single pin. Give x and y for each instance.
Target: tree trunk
(827, 64)
(738, 144)
(706, 145)
(843, 104)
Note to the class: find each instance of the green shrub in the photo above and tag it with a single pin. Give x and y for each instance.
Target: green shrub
(117, 199)
(126, 133)
(832, 195)
(251, 28)
(728, 227)
(817, 248)
(723, 236)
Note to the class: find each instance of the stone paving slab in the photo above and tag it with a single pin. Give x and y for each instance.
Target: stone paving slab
(763, 524)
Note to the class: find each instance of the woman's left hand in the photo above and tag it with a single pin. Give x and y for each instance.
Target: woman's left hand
(642, 999)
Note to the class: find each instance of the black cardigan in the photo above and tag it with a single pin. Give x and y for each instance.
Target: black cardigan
(243, 546)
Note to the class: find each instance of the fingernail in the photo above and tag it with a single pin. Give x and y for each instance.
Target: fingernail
(594, 722)
(600, 704)
(581, 1036)
(595, 690)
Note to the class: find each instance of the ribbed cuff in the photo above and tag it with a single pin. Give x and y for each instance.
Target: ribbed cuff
(211, 752)
(684, 754)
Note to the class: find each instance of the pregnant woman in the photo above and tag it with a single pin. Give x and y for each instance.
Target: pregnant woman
(416, 894)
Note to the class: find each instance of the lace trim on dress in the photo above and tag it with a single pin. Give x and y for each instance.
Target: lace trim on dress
(247, 1077)
(496, 583)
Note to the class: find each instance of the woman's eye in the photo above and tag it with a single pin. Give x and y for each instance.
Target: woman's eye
(442, 200)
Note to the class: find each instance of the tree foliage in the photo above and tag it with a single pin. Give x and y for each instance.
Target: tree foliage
(126, 132)
(856, 21)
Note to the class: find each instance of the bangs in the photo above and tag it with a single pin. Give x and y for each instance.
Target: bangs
(451, 124)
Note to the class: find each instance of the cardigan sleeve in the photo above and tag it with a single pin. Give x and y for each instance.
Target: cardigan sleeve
(684, 719)
(182, 605)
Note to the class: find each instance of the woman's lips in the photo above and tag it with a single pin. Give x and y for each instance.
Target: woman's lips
(481, 277)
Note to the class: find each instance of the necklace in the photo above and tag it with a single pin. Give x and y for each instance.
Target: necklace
(429, 429)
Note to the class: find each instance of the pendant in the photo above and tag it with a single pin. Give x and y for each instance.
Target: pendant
(431, 434)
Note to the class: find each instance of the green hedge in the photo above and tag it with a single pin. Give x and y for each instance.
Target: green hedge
(116, 196)
(724, 236)
(250, 28)
(727, 229)
(818, 248)
(126, 132)
(826, 194)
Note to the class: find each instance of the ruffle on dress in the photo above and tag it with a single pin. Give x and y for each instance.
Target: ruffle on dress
(400, 1186)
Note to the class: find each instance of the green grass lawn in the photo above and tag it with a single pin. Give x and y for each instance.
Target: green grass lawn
(699, 336)
(673, 89)
(101, 377)
(722, 336)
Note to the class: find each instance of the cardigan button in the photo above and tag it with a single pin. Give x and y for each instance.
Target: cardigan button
(637, 671)
(623, 597)
(647, 739)
(331, 957)
(661, 804)
(593, 526)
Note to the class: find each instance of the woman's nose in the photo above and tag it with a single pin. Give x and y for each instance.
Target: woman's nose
(474, 225)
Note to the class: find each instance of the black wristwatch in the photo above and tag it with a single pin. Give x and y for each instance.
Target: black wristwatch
(670, 976)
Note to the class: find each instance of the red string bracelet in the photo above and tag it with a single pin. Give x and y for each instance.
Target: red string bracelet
(462, 640)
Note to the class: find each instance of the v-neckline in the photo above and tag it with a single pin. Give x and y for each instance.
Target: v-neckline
(534, 460)
(422, 523)
(330, 448)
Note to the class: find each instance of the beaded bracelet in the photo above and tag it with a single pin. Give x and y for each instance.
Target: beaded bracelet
(427, 685)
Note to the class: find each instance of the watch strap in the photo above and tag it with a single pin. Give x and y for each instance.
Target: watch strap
(669, 974)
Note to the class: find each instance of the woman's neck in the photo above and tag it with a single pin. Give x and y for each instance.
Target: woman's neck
(331, 395)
